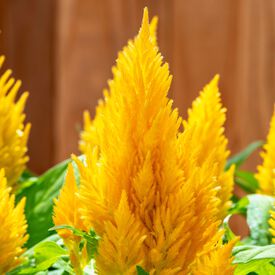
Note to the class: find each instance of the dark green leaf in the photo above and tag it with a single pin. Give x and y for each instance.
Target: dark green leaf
(257, 218)
(240, 158)
(141, 271)
(39, 202)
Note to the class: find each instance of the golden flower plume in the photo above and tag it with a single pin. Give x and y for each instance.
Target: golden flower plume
(66, 212)
(13, 228)
(206, 121)
(266, 171)
(13, 133)
(139, 167)
(215, 260)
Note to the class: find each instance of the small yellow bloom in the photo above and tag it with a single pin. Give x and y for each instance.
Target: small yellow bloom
(272, 225)
(13, 133)
(266, 171)
(66, 212)
(206, 121)
(13, 228)
(216, 260)
(121, 248)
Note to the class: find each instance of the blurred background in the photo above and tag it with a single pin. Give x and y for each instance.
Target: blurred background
(63, 51)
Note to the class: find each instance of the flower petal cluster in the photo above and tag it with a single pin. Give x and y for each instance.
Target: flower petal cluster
(206, 121)
(13, 133)
(13, 227)
(66, 212)
(266, 171)
(215, 260)
(151, 192)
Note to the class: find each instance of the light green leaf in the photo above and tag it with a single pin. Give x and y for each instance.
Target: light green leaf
(228, 233)
(91, 238)
(251, 258)
(257, 218)
(259, 267)
(42, 256)
(246, 181)
(240, 158)
(240, 207)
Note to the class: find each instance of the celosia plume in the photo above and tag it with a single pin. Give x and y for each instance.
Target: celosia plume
(206, 121)
(215, 260)
(266, 171)
(13, 228)
(152, 200)
(66, 212)
(13, 133)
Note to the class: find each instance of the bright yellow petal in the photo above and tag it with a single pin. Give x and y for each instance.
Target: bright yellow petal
(13, 228)
(67, 206)
(217, 261)
(66, 212)
(266, 171)
(133, 150)
(206, 121)
(13, 133)
(121, 248)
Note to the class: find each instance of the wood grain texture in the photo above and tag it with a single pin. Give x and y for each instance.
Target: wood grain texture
(197, 38)
(64, 50)
(27, 40)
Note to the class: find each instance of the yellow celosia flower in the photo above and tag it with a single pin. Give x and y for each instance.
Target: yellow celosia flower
(66, 212)
(141, 190)
(206, 121)
(13, 228)
(13, 133)
(266, 171)
(272, 225)
(216, 260)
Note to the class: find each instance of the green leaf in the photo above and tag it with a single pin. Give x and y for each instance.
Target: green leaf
(33, 259)
(246, 181)
(250, 258)
(46, 254)
(228, 233)
(240, 158)
(240, 207)
(258, 267)
(91, 238)
(141, 271)
(257, 218)
(39, 204)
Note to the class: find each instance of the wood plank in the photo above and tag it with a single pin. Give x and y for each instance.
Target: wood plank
(236, 40)
(90, 35)
(27, 41)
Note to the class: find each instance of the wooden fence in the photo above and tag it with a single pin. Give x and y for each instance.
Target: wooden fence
(63, 51)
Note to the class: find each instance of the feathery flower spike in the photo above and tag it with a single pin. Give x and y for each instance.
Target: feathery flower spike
(13, 228)
(206, 121)
(13, 133)
(216, 260)
(66, 213)
(266, 171)
(134, 168)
